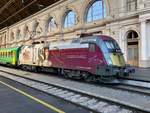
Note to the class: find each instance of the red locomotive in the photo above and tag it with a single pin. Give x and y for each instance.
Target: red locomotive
(92, 58)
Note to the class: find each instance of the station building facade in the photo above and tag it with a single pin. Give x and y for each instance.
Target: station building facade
(127, 21)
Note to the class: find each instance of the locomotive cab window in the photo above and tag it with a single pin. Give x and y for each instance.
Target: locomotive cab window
(92, 47)
(112, 45)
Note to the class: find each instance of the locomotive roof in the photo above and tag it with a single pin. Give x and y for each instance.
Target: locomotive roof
(77, 42)
(90, 39)
(87, 39)
(9, 49)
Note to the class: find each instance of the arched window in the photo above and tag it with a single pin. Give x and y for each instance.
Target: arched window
(12, 36)
(18, 34)
(133, 48)
(131, 5)
(51, 24)
(132, 35)
(38, 29)
(26, 32)
(96, 11)
(70, 19)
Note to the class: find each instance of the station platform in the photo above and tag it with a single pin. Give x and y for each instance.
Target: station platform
(17, 98)
(141, 74)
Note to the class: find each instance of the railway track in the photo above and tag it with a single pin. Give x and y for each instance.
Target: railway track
(130, 88)
(132, 85)
(84, 99)
(135, 82)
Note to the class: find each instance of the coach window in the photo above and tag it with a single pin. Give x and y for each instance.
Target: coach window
(70, 19)
(3, 54)
(7, 54)
(11, 54)
(92, 47)
(96, 11)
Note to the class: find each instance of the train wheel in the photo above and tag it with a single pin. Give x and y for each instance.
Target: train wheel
(59, 72)
(64, 73)
(126, 74)
(87, 77)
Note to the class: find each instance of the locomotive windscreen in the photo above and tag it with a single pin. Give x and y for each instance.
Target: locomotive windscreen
(112, 53)
(112, 46)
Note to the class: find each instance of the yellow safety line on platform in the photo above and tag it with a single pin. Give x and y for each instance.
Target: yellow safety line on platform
(34, 98)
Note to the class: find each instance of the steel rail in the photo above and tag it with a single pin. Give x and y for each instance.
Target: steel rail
(74, 94)
(122, 86)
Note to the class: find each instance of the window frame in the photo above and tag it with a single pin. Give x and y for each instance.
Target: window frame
(49, 27)
(68, 24)
(129, 5)
(100, 17)
(92, 47)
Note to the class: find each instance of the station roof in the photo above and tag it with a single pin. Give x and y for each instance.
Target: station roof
(12, 11)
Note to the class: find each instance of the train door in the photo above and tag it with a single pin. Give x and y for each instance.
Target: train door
(132, 48)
